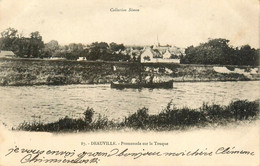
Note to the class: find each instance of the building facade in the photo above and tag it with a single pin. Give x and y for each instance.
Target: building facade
(6, 54)
(161, 54)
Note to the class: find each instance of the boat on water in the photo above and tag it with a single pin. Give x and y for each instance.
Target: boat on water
(151, 85)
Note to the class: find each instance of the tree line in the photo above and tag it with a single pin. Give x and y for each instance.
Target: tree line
(215, 51)
(218, 51)
(34, 47)
(22, 46)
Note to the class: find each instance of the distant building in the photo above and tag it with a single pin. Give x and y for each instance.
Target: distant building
(6, 54)
(133, 52)
(149, 55)
(57, 58)
(82, 59)
(167, 54)
(161, 54)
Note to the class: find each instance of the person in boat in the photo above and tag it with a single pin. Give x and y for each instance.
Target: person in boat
(156, 79)
(147, 79)
(133, 81)
(121, 79)
(151, 79)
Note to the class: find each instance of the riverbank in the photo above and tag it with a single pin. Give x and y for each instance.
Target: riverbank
(27, 72)
(170, 118)
(243, 136)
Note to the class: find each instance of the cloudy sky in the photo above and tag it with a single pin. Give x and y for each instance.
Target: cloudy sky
(181, 23)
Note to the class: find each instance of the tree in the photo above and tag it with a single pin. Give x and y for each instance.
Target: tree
(215, 51)
(24, 47)
(52, 45)
(9, 39)
(50, 48)
(36, 44)
(36, 35)
(247, 56)
(21, 46)
(73, 47)
(218, 51)
(9, 33)
(97, 50)
(116, 47)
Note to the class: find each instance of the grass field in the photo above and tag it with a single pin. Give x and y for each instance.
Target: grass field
(26, 72)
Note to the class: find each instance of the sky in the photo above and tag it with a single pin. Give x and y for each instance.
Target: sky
(180, 23)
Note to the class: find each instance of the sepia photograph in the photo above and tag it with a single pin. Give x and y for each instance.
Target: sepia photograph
(137, 82)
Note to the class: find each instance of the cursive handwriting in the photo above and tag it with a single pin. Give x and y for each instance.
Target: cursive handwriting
(93, 157)
(29, 158)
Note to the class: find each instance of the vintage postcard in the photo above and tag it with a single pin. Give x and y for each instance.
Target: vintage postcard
(137, 82)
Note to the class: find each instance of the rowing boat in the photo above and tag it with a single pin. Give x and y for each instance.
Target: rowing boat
(163, 85)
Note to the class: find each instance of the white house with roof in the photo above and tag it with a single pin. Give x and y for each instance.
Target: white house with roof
(6, 54)
(82, 59)
(167, 54)
(149, 55)
(161, 54)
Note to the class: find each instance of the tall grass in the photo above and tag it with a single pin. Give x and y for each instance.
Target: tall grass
(171, 118)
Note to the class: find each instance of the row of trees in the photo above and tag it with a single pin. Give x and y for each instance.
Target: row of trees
(218, 51)
(107, 52)
(34, 47)
(215, 51)
(94, 51)
(20, 45)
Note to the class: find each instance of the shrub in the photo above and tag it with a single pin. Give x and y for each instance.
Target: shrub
(88, 115)
(215, 112)
(170, 118)
(102, 123)
(138, 119)
(243, 109)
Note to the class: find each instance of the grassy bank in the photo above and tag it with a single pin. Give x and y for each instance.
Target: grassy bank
(168, 119)
(16, 72)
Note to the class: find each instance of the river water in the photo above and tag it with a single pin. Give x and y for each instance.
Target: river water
(19, 104)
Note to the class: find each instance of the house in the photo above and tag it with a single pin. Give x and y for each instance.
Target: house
(161, 54)
(6, 54)
(167, 54)
(133, 52)
(57, 58)
(149, 55)
(82, 59)
(177, 51)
